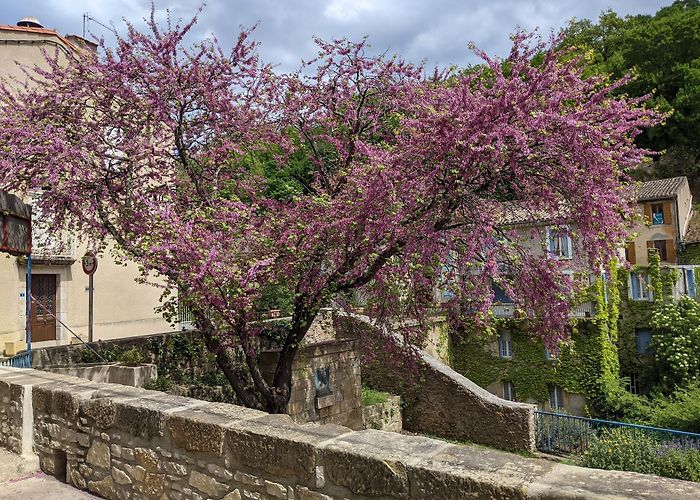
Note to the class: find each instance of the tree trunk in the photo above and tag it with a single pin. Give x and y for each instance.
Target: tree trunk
(245, 377)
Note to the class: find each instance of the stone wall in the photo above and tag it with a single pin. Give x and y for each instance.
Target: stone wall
(111, 373)
(342, 405)
(383, 416)
(129, 443)
(11, 416)
(341, 401)
(438, 401)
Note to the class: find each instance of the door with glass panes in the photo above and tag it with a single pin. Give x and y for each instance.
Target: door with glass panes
(43, 321)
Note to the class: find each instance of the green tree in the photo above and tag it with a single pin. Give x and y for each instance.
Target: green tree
(663, 53)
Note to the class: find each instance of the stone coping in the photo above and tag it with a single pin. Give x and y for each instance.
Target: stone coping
(312, 460)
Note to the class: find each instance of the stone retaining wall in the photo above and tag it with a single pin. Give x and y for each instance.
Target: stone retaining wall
(11, 416)
(383, 416)
(111, 373)
(129, 443)
(439, 401)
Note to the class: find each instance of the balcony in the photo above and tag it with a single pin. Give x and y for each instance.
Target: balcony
(505, 310)
(51, 248)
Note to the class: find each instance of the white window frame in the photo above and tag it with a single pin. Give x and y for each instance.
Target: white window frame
(554, 403)
(508, 390)
(564, 241)
(645, 292)
(505, 344)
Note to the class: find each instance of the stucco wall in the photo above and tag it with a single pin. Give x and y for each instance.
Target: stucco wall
(122, 306)
(122, 442)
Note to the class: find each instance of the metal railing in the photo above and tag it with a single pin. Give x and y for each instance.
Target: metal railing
(22, 360)
(559, 433)
(185, 318)
(507, 310)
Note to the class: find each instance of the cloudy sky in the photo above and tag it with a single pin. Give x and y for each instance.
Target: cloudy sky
(436, 31)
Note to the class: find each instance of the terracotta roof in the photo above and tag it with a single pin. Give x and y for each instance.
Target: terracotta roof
(513, 213)
(660, 189)
(41, 31)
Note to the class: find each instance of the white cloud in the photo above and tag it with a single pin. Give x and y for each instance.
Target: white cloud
(348, 10)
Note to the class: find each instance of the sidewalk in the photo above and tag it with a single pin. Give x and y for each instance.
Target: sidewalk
(20, 478)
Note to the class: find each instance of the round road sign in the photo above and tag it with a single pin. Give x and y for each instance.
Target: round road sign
(89, 263)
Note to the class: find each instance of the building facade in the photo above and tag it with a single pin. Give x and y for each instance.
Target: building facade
(513, 365)
(122, 307)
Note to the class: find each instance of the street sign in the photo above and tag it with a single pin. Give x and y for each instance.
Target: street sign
(15, 225)
(89, 263)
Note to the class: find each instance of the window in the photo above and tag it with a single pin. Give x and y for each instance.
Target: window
(508, 391)
(556, 397)
(549, 354)
(689, 278)
(643, 338)
(560, 244)
(657, 213)
(505, 345)
(499, 295)
(639, 286)
(661, 247)
(632, 383)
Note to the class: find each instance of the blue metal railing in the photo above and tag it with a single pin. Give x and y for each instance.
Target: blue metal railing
(22, 360)
(559, 433)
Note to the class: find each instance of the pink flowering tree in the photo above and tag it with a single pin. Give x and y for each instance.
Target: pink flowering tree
(356, 175)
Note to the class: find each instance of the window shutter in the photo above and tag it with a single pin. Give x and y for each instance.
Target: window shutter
(690, 280)
(668, 219)
(671, 250)
(647, 212)
(550, 240)
(634, 285)
(631, 255)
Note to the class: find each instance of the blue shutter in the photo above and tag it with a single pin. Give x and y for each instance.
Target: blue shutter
(690, 279)
(550, 235)
(635, 286)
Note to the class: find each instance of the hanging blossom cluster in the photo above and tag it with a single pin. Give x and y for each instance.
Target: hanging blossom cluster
(401, 181)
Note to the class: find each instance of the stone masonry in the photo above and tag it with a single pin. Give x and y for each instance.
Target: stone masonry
(129, 443)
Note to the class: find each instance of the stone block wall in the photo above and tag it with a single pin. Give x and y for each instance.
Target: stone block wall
(129, 443)
(11, 416)
(112, 373)
(383, 416)
(343, 404)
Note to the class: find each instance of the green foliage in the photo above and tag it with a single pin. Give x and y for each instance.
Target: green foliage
(679, 411)
(635, 451)
(663, 53)
(690, 254)
(676, 341)
(371, 397)
(132, 357)
(588, 364)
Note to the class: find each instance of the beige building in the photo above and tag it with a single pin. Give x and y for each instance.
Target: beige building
(122, 307)
(666, 205)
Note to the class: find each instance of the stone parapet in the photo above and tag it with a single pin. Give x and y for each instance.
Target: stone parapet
(129, 443)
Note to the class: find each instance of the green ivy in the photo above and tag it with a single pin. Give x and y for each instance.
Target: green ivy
(587, 364)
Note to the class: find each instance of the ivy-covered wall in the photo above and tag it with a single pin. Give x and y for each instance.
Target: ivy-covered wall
(601, 350)
(587, 364)
(636, 314)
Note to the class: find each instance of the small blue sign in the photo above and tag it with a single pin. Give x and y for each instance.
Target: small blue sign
(657, 218)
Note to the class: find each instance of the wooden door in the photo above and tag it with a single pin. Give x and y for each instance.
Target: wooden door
(42, 322)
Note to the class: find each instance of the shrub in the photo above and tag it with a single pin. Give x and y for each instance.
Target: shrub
(635, 451)
(132, 357)
(681, 411)
(371, 397)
